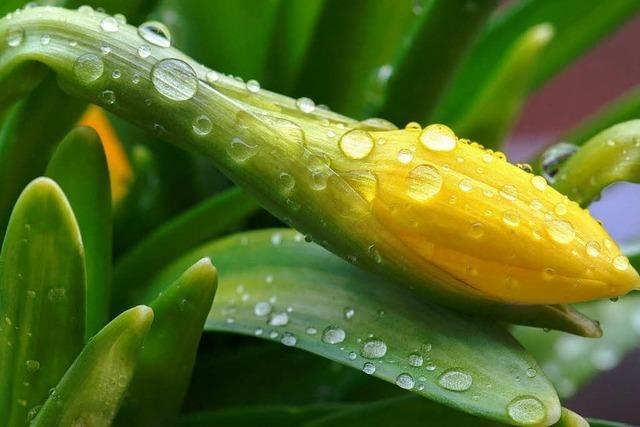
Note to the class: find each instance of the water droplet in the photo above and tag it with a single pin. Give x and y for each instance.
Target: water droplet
(288, 339)
(262, 308)
(531, 373)
(413, 126)
(32, 365)
(306, 105)
(554, 157)
(241, 151)
(253, 86)
(415, 360)
(116, 74)
(319, 180)
(110, 24)
(202, 125)
(364, 182)
(45, 39)
(374, 253)
(108, 96)
(369, 368)
(356, 144)
(526, 410)
(349, 313)
(593, 248)
(539, 183)
(373, 348)
(561, 231)
(15, 36)
(155, 33)
(477, 230)
(423, 182)
(455, 380)
(405, 381)
(311, 330)
(511, 218)
(174, 79)
(465, 185)
(621, 263)
(438, 138)
(88, 68)
(561, 209)
(286, 182)
(144, 51)
(333, 335)
(279, 319)
(405, 156)
(509, 192)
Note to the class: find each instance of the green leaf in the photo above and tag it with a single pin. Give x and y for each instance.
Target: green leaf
(165, 364)
(415, 411)
(602, 423)
(42, 287)
(426, 64)
(490, 114)
(266, 416)
(228, 35)
(203, 222)
(25, 148)
(79, 166)
(579, 24)
(571, 361)
(277, 287)
(92, 389)
(290, 38)
(612, 155)
(624, 108)
(352, 40)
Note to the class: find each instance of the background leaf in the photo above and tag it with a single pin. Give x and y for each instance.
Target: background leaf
(42, 290)
(80, 168)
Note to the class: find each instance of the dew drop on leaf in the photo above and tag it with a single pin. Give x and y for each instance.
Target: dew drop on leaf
(405, 381)
(262, 308)
(175, 79)
(202, 125)
(240, 150)
(155, 33)
(288, 339)
(526, 410)
(110, 25)
(88, 68)
(279, 319)
(306, 105)
(369, 368)
(455, 380)
(415, 360)
(373, 349)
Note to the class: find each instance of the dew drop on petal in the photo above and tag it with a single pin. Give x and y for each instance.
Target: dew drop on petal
(539, 183)
(621, 262)
(511, 218)
(438, 137)
(561, 231)
(465, 185)
(356, 144)
(423, 182)
(509, 192)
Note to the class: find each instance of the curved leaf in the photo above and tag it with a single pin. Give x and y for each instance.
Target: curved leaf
(610, 156)
(92, 388)
(195, 226)
(426, 64)
(80, 168)
(165, 364)
(277, 287)
(42, 292)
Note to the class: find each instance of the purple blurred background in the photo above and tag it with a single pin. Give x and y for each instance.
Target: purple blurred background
(604, 73)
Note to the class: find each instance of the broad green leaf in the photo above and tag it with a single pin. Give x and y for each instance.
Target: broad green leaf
(489, 115)
(612, 155)
(92, 388)
(426, 64)
(352, 41)
(165, 364)
(228, 35)
(416, 411)
(265, 416)
(203, 222)
(79, 166)
(622, 109)
(290, 37)
(579, 24)
(19, 82)
(602, 423)
(571, 361)
(42, 287)
(24, 147)
(276, 286)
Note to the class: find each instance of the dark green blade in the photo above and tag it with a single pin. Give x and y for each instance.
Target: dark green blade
(164, 368)
(42, 290)
(79, 166)
(425, 66)
(203, 222)
(351, 42)
(276, 286)
(579, 25)
(91, 390)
